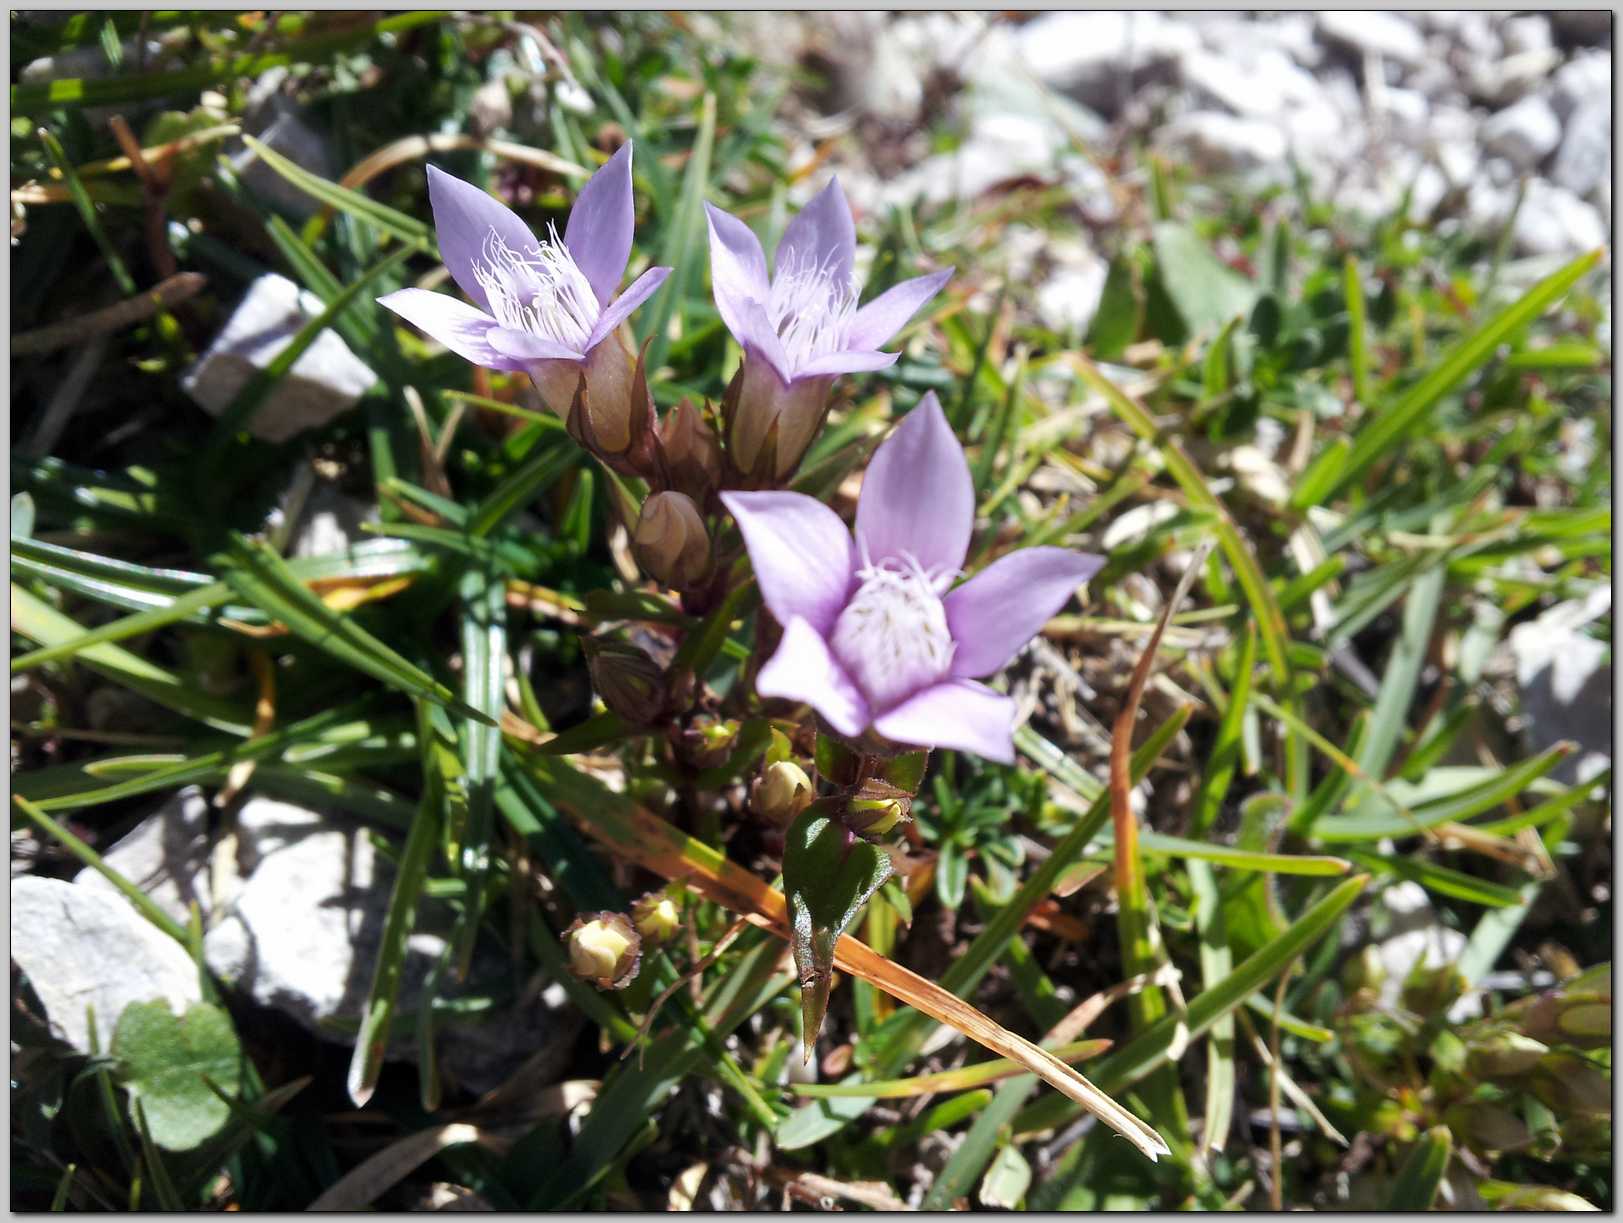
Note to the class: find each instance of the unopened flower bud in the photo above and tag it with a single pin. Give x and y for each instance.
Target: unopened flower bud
(670, 541)
(1570, 1084)
(629, 682)
(604, 949)
(656, 916)
(1582, 1018)
(1503, 1055)
(1538, 1197)
(770, 423)
(708, 741)
(1431, 991)
(1365, 970)
(875, 817)
(781, 792)
(1488, 1127)
(693, 461)
(609, 410)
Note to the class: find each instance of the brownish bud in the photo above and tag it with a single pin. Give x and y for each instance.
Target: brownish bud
(1364, 970)
(1503, 1055)
(1431, 991)
(1570, 1084)
(707, 742)
(692, 452)
(627, 680)
(770, 423)
(604, 949)
(1488, 1127)
(656, 916)
(1582, 1018)
(611, 412)
(781, 792)
(670, 541)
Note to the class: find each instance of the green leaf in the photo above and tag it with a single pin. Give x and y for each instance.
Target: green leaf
(1421, 1174)
(828, 874)
(263, 578)
(162, 1060)
(1206, 292)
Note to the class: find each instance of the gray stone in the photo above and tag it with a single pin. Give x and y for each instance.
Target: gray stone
(166, 855)
(1528, 33)
(1388, 35)
(1503, 81)
(1220, 143)
(1525, 134)
(1554, 221)
(1566, 683)
(277, 121)
(323, 383)
(1099, 57)
(1584, 79)
(81, 948)
(1584, 161)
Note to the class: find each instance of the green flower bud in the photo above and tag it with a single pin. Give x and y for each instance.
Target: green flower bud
(629, 682)
(1582, 1018)
(1488, 1127)
(707, 741)
(781, 792)
(670, 541)
(604, 949)
(1503, 1054)
(875, 817)
(1570, 1084)
(656, 916)
(1431, 991)
(1532, 1197)
(1364, 970)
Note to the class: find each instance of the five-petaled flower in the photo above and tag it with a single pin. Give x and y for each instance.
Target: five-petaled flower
(542, 305)
(800, 328)
(874, 634)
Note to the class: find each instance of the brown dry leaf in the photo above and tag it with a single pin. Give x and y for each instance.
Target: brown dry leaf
(369, 1180)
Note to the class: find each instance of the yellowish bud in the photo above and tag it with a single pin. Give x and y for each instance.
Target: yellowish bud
(875, 817)
(781, 792)
(604, 949)
(656, 916)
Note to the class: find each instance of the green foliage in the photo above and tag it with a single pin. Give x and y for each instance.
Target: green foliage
(167, 1063)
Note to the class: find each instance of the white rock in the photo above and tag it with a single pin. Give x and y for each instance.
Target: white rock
(1407, 114)
(1452, 143)
(1415, 937)
(1525, 133)
(166, 855)
(331, 523)
(1566, 683)
(1098, 57)
(1583, 79)
(1221, 143)
(1069, 299)
(1529, 33)
(1554, 221)
(1503, 81)
(1263, 82)
(1389, 35)
(1584, 161)
(323, 383)
(81, 948)
(491, 107)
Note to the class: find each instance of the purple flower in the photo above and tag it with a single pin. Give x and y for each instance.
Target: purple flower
(801, 328)
(872, 634)
(540, 305)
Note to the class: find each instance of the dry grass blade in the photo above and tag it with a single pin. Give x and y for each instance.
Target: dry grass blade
(634, 833)
(812, 1188)
(366, 1182)
(116, 317)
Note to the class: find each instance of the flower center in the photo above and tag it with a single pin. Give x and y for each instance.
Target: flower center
(811, 308)
(893, 636)
(538, 290)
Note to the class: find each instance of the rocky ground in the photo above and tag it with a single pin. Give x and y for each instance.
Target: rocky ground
(1473, 121)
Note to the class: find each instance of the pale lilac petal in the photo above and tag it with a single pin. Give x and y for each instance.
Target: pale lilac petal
(464, 219)
(917, 498)
(821, 235)
(874, 324)
(959, 714)
(803, 669)
(522, 346)
(599, 231)
(763, 340)
(846, 363)
(801, 552)
(457, 325)
(640, 291)
(738, 276)
(997, 611)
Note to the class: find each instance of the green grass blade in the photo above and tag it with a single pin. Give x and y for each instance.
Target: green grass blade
(685, 249)
(1422, 1172)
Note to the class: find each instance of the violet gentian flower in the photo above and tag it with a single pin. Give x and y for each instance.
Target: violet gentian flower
(801, 328)
(542, 305)
(874, 635)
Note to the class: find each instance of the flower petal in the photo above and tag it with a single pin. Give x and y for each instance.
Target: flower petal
(853, 362)
(803, 669)
(457, 325)
(801, 552)
(737, 276)
(997, 611)
(822, 235)
(959, 714)
(641, 290)
(598, 234)
(464, 218)
(917, 498)
(522, 346)
(874, 324)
